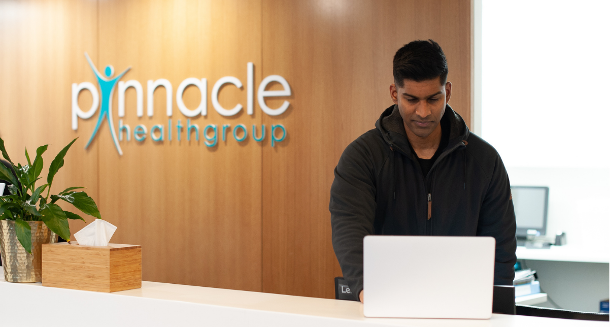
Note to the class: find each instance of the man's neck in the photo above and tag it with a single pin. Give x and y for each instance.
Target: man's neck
(425, 147)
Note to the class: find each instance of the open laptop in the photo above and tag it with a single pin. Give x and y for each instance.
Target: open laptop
(428, 276)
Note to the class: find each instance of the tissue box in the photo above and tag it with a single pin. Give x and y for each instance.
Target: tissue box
(96, 268)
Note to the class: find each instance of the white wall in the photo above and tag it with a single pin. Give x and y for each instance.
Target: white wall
(545, 109)
(578, 201)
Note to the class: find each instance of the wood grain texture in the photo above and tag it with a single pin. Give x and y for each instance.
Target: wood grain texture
(338, 57)
(107, 269)
(195, 210)
(39, 42)
(238, 215)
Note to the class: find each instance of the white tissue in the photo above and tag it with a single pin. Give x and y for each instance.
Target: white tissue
(97, 233)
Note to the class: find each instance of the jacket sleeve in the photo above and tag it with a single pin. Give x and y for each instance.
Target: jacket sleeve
(497, 219)
(352, 208)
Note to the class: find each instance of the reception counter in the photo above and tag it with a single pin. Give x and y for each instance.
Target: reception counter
(161, 304)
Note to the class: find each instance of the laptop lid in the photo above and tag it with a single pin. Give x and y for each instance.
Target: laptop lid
(428, 276)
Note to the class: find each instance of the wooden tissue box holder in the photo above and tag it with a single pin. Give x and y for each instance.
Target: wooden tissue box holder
(107, 269)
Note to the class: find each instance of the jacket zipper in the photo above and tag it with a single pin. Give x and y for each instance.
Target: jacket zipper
(429, 205)
(427, 183)
(428, 221)
(428, 187)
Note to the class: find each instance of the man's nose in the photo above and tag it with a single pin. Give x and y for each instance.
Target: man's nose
(423, 109)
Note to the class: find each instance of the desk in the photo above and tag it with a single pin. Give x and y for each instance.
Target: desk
(566, 253)
(161, 304)
(575, 278)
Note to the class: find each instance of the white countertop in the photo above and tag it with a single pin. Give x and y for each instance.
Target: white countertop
(161, 304)
(566, 253)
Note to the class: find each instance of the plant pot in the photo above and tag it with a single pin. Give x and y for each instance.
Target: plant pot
(19, 265)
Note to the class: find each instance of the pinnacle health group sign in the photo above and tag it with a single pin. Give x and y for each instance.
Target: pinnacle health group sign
(160, 132)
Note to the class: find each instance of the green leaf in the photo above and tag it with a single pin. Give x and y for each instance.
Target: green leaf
(24, 234)
(7, 210)
(4, 153)
(55, 218)
(36, 168)
(74, 216)
(32, 183)
(37, 193)
(70, 189)
(7, 206)
(7, 175)
(28, 157)
(57, 163)
(10, 198)
(86, 204)
(3, 176)
(13, 190)
(30, 208)
(40, 150)
(81, 201)
(23, 176)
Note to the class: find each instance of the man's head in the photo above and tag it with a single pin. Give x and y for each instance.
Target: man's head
(420, 87)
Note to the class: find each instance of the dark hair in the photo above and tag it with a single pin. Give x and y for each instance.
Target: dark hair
(420, 61)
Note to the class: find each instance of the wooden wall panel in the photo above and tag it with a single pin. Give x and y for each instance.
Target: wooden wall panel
(39, 41)
(195, 210)
(338, 57)
(239, 215)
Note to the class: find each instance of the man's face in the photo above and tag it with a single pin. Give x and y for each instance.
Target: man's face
(421, 105)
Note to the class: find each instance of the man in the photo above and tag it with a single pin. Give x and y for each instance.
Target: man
(420, 172)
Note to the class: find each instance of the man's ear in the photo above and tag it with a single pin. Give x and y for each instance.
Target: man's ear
(394, 93)
(448, 91)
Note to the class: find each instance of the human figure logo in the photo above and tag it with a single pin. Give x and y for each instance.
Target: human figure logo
(107, 87)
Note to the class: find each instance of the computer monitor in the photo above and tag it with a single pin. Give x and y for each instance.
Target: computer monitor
(531, 204)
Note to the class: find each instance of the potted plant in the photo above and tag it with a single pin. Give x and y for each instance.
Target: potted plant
(29, 219)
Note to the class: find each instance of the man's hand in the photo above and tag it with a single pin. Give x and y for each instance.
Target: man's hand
(362, 296)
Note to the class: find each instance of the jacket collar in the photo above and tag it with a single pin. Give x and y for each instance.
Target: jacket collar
(392, 128)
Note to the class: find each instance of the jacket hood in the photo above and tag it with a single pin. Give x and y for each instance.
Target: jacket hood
(392, 128)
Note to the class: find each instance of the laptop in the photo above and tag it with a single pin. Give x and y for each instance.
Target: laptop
(428, 277)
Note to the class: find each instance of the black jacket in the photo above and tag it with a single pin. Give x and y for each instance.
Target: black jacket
(379, 188)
